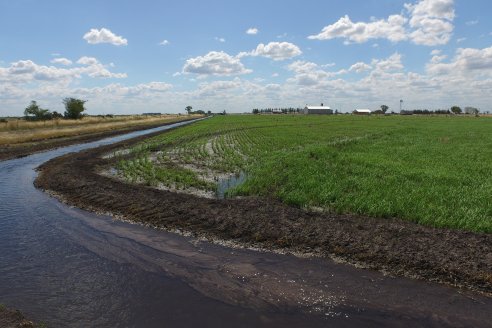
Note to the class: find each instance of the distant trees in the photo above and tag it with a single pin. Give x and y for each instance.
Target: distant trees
(289, 110)
(471, 111)
(55, 115)
(429, 112)
(34, 112)
(73, 108)
(384, 108)
(456, 110)
(190, 111)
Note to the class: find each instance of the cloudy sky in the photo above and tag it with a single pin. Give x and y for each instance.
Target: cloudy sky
(160, 56)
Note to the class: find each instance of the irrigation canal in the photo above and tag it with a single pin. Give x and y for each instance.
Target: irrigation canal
(70, 268)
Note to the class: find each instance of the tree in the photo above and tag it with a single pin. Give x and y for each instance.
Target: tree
(188, 109)
(256, 111)
(456, 110)
(384, 108)
(34, 112)
(73, 108)
(55, 114)
(471, 110)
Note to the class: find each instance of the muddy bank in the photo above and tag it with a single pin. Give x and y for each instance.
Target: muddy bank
(21, 150)
(400, 248)
(13, 319)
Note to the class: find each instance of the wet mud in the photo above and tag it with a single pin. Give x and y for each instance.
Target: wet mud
(14, 319)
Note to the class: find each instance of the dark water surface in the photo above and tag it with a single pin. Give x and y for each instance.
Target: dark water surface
(71, 268)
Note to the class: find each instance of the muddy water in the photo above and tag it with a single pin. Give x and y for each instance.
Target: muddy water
(71, 268)
(225, 184)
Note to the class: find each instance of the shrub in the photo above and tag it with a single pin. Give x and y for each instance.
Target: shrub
(74, 107)
(34, 113)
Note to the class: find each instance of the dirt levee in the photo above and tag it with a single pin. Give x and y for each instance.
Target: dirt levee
(400, 248)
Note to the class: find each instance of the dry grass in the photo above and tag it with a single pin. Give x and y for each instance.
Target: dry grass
(18, 131)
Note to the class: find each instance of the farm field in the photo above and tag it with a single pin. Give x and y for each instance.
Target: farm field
(430, 170)
(16, 131)
(19, 137)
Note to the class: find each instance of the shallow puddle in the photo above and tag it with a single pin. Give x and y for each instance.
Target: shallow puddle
(225, 184)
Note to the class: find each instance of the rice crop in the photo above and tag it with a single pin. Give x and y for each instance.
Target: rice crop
(430, 170)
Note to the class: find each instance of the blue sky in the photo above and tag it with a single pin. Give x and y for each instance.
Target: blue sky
(159, 56)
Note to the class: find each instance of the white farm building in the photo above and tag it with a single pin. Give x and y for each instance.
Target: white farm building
(318, 110)
(362, 112)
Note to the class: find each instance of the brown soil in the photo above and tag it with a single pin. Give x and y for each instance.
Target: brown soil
(397, 247)
(13, 319)
(24, 149)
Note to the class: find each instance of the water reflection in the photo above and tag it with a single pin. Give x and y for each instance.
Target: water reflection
(225, 184)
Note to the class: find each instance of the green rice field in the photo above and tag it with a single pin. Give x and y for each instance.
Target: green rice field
(433, 170)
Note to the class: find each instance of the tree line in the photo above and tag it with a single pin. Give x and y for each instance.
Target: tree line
(289, 110)
(189, 110)
(382, 110)
(453, 110)
(74, 109)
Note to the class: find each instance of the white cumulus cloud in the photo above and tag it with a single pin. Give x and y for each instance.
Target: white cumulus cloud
(360, 67)
(61, 61)
(87, 61)
(426, 22)
(252, 31)
(309, 73)
(391, 64)
(392, 29)
(215, 63)
(95, 36)
(26, 71)
(431, 21)
(467, 62)
(274, 50)
(215, 88)
(95, 69)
